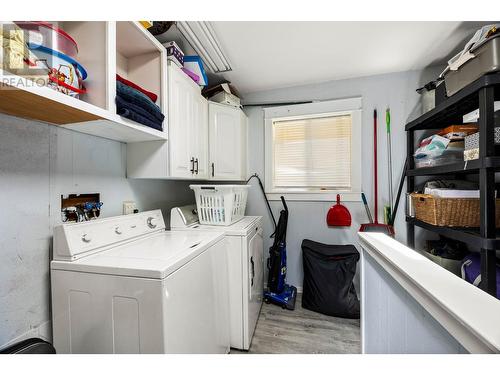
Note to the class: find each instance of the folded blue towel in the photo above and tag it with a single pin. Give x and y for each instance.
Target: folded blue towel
(136, 97)
(135, 113)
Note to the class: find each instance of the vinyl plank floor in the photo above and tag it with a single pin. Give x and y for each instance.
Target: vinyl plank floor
(302, 331)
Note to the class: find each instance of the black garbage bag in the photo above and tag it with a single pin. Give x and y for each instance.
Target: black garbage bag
(328, 279)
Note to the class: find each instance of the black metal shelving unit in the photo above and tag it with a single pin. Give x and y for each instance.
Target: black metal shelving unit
(481, 94)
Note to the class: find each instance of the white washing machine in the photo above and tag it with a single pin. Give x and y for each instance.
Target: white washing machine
(244, 246)
(125, 285)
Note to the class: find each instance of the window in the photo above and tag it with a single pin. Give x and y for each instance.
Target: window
(313, 150)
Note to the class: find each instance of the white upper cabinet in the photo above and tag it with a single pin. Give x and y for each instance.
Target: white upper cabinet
(206, 140)
(180, 119)
(199, 138)
(227, 142)
(188, 126)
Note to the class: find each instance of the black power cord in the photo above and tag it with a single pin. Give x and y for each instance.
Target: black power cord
(255, 175)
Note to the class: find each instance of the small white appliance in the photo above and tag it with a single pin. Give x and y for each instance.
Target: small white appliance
(244, 246)
(125, 285)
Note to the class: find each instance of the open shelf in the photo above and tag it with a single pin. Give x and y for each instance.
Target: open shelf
(119, 129)
(94, 112)
(481, 94)
(20, 97)
(140, 58)
(470, 236)
(91, 38)
(471, 166)
(451, 110)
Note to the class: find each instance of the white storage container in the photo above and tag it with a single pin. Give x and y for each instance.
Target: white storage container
(224, 97)
(220, 204)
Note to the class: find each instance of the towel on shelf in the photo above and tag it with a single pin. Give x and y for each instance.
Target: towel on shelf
(150, 94)
(136, 113)
(138, 98)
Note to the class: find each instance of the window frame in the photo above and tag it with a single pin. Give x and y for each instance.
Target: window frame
(351, 106)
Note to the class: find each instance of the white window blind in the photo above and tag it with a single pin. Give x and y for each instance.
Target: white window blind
(312, 152)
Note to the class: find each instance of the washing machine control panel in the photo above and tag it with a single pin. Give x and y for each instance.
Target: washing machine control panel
(75, 240)
(184, 216)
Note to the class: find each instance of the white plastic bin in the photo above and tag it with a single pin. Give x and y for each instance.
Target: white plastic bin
(220, 204)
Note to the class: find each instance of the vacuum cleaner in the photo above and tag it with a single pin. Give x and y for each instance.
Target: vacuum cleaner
(278, 291)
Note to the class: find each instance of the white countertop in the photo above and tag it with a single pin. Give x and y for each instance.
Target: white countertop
(470, 315)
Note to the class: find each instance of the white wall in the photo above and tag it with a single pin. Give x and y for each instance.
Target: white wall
(38, 163)
(394, 322)
(307, 219)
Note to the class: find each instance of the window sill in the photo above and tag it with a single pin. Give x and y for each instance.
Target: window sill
(320, 196)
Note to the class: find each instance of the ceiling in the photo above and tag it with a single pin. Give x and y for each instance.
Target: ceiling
(269, 55)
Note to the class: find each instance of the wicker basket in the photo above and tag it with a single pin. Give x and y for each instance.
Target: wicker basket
(449, 212)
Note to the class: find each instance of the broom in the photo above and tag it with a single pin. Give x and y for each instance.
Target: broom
(376, 226)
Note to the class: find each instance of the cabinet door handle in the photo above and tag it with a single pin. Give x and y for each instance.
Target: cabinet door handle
(196, 169)
(253, 269)
(192, 165)
(213, 169)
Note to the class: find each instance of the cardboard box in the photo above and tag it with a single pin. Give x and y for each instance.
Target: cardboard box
(457, 132)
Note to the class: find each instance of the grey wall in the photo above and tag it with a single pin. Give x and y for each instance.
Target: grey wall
(38, 163)
(307, 219)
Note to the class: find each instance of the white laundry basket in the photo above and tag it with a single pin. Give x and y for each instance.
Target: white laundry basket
(220, 204)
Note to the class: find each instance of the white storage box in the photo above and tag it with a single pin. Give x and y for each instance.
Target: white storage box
(224, 97)
(220, 204)
(474, 115)
(449, 156)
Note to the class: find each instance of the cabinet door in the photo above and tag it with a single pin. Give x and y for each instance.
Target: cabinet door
(225, 135)
(244, 147)
(255, 281)
(199, 136)
(180, 99)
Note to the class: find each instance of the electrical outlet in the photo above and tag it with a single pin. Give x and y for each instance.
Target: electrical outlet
(129, 207)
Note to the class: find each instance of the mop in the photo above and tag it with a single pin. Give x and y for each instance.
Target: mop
(376, 226)
(389, 208)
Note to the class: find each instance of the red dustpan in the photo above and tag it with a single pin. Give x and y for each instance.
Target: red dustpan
(338, 215)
